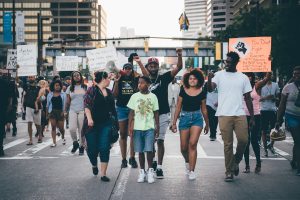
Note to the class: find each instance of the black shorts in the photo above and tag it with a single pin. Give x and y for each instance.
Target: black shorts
(268, 120)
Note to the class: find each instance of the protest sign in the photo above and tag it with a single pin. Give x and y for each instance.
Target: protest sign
(66, 63)
(254, 53)
(11, 59)
(26, 59)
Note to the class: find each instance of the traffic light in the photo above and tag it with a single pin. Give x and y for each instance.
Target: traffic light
(146, 46)
(196, 48)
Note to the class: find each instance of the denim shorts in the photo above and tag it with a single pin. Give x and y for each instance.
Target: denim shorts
(123, 113)
(292, 121)
(143, 141)
(189, 119)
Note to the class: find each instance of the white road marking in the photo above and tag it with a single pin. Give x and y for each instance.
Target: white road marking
(14, 143)
(119, 189)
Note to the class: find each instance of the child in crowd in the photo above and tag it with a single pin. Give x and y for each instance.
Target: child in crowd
(144, 126)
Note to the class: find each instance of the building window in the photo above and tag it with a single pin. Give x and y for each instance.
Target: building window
(84, 21)
(54, 5)
(219, 20)
(219, 13)
(219, 25)
(84, 28)
(84, 13)
(68, 28)
(84, 5)
(68, 5)
(68, 20)
(68, 13)
(54, 28)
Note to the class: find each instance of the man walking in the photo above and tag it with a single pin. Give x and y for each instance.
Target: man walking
(232, 87)
(173, 93)
(159, 86)
(33, 108)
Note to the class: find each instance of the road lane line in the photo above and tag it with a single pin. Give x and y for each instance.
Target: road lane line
(14, 143)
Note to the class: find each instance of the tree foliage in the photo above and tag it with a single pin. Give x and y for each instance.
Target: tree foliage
(281, 23)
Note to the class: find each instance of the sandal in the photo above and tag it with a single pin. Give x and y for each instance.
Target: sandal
(29, 143)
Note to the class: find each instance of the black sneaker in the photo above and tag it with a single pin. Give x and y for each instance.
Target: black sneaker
(81, 150)
(105, 179)
(236, 169)
(133, 162)
(154, 165)
(14, 134)
(75, 147)
(266, 153)
(124, 163)
(95, 171)
(293, 164)
(159, 174)
(229, 178)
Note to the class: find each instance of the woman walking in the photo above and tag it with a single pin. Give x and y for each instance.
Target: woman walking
(75, 97)
(254, 132)
(43, 99)
(99, 104)
(290, 107)
(191, 106)
(56, 101)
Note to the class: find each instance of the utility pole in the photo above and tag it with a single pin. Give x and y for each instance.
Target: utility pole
(14, 24)
(40, 43)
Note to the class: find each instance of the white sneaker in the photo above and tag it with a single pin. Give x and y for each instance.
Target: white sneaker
(53, 145)
(187, 172)
(150, 175)
(187, 169)
(142, 176)
(192, 175)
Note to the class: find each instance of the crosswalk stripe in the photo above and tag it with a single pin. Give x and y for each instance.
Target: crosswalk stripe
(280, 152)
(200, 151)
(14, 143)
(36, 148)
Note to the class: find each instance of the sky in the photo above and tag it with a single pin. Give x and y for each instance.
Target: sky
(147, 17)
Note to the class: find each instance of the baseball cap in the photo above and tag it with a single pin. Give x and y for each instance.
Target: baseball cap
(153, 60)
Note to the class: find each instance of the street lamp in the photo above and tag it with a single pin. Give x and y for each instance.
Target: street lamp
(256, 3)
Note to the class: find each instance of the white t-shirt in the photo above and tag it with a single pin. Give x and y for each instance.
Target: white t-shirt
(231, 90)
(273, 89)
(77, 98)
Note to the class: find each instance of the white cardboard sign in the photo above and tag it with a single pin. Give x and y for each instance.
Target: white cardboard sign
(66, 63)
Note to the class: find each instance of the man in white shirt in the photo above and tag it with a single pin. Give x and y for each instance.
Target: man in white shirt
(232, 87)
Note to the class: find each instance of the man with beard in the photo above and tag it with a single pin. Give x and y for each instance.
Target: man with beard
(159, 86)
(232, 87)
(33, 107)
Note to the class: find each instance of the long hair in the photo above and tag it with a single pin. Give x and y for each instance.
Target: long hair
(73, 83)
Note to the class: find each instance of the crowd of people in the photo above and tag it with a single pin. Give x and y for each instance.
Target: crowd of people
(146, 105)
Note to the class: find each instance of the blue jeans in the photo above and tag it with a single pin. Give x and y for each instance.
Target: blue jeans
(98, 142)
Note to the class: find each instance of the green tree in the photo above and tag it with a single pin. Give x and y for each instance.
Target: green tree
(281, 23)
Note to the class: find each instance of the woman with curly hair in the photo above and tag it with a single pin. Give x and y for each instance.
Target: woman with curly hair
(191, 106)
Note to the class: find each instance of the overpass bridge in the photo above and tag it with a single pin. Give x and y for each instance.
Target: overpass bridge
(126, 51)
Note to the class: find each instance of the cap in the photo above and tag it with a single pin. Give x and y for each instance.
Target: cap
(153, 60)
(127, 65)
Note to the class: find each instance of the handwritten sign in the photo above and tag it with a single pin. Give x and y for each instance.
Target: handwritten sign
(11, 59)
(254, 53)
(66, 63)
(98, 58)
(26, 59)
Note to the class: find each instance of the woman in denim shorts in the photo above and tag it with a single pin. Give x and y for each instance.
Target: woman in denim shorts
(191, 106)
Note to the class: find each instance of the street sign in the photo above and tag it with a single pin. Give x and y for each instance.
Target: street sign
(27, 58)
(254, 53)
(66, 63)
(11, 59)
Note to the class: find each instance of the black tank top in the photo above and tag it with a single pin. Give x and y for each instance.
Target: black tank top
(57, 103)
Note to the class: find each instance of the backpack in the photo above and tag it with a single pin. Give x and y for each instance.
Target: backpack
(31, 95)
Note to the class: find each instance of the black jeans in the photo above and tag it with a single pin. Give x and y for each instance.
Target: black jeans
(253, 137)
(213, 121)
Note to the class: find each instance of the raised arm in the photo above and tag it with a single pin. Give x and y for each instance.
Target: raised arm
(175, 71)
(262, 83)
(210, 85)
(139, 62)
